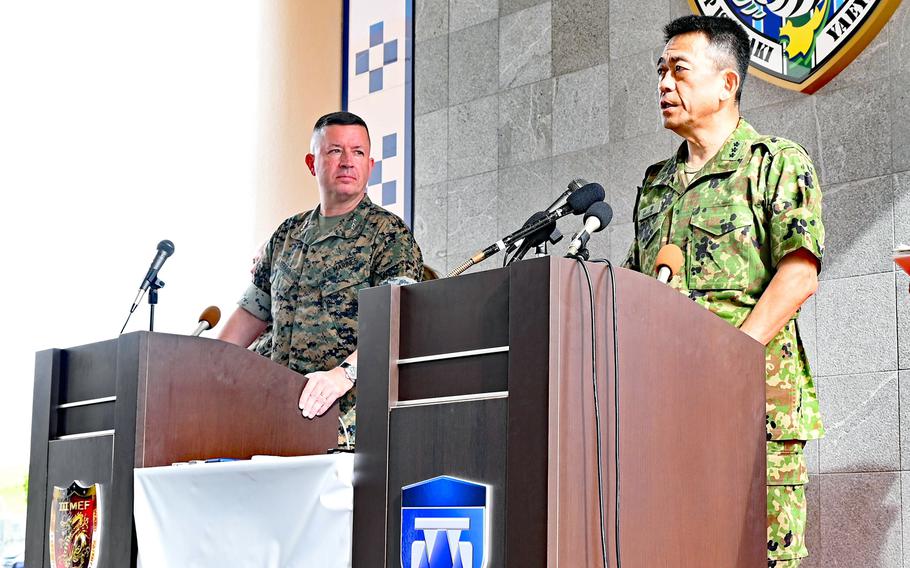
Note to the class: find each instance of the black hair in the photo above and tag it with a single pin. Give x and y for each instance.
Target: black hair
(723, 34)
(342, 118)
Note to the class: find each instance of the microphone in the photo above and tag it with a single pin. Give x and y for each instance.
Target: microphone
(536, 238)
(597, 217)
(573, 186)
(165, 249)
(578, 202)
(577, 184)
(208, 319)
(669, 260)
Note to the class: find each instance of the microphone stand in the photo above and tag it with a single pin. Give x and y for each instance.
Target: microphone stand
(554, 238)
(583, 252)
(154, 286)
(503, 244)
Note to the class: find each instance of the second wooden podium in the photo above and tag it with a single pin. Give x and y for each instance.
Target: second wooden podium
(151, 399)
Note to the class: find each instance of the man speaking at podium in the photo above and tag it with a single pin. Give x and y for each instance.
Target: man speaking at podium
(306, 281)
(746, 211)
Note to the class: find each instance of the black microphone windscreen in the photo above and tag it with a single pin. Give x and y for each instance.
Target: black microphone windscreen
(167, 247)
(541, 234)
(602, 211)
(586, 196)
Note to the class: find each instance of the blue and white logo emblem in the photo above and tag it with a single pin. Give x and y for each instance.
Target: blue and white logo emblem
(803, 44)
(444, 524)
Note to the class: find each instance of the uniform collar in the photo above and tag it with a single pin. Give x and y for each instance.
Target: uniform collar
(727, 159)
(349, 228)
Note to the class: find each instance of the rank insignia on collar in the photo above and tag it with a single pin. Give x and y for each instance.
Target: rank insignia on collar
(444, 524)
(803, 44)
(75, 529)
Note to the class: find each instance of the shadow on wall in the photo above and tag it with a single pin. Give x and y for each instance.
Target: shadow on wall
(860, 521)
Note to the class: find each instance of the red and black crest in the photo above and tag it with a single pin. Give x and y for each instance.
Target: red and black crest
(75, 528)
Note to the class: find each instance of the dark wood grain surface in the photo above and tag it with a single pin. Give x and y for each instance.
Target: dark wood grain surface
(691, 417)
(177, 398)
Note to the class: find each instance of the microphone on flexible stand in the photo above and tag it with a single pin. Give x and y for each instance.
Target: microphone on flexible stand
(208, 319)
(578, 202)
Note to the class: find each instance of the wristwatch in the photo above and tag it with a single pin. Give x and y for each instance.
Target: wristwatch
(350, 372)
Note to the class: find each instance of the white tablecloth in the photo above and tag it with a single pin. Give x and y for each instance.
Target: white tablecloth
(263, 513)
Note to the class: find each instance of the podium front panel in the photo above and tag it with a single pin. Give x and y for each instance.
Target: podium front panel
(89, 460)
(466, 440)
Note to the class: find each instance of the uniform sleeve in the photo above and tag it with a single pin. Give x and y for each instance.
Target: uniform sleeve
(632, 261)
(397, 258)
(794, 199)
(257, 298)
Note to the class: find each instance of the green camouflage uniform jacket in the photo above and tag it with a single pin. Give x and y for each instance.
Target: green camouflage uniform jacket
(308, 290)
(754, 202)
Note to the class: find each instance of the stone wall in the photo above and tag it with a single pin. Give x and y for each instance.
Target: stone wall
(515, 98)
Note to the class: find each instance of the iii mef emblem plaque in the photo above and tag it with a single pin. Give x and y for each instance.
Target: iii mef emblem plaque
(803, 44)
(75, 530)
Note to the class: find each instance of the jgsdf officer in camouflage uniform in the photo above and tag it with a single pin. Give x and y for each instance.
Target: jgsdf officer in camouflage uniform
(746, 210)
(306, 281)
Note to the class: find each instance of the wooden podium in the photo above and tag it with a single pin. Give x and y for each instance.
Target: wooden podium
(152, 399)
(487, 377)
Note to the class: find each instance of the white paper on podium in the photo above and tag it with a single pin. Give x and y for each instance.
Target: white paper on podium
(263, 513)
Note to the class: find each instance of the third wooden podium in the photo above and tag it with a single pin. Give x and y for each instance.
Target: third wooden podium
(488, 378)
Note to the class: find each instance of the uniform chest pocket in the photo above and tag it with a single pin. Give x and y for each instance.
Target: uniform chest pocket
(283, 280)
(285, 285)
(650, 221)
(339, 296)
(721, 248)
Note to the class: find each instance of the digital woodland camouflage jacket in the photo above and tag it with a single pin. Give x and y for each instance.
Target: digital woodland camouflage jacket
(308, 288)
(754, 202)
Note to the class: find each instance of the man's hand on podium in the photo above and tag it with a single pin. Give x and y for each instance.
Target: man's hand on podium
(322, 389)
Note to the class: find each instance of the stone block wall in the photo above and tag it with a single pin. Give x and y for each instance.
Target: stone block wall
(514, 98)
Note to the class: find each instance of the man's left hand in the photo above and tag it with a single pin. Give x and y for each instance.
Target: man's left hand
(322, 389)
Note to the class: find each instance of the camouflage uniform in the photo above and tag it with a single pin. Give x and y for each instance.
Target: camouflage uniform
(753, 203)
(263, 344)
(306, 287)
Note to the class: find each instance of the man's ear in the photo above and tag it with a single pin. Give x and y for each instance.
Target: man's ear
(731, 85)
(311, 163)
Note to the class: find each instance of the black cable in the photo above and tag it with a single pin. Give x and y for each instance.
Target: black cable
(598, 430)
(615, 401)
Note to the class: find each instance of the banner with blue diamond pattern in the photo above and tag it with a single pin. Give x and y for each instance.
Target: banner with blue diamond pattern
(377, 86)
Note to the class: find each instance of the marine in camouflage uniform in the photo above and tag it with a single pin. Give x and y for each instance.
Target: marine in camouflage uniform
(753, 203)
(306, 283)
(301, 308)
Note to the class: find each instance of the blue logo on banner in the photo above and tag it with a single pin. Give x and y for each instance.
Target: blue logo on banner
(444, 524)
